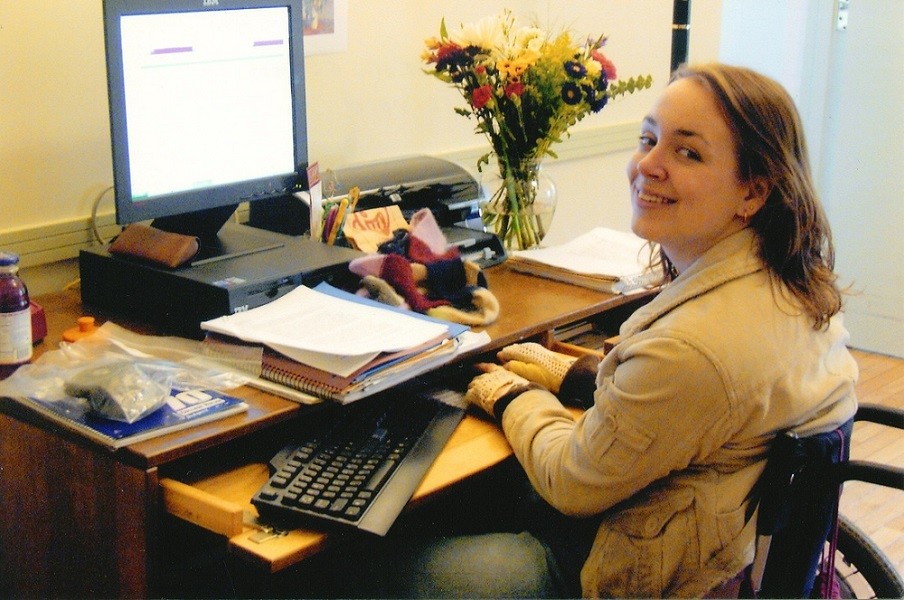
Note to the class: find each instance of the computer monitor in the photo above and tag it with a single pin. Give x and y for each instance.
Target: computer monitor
(207, 109)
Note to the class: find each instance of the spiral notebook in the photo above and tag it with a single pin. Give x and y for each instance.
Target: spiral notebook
(381, 373)
(299, 366)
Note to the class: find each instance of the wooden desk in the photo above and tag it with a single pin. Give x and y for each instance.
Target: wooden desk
(83, 522)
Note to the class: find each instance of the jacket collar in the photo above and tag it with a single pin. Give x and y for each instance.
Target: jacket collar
(732, 258)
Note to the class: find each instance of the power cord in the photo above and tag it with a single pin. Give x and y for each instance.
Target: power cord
(94, 229)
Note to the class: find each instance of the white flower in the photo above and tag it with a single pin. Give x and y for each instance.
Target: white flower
(488, 33)
(530, 38)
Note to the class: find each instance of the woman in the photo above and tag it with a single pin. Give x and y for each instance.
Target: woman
(744, 341)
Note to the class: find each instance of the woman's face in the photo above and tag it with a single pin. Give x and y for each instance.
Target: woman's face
(685, 191)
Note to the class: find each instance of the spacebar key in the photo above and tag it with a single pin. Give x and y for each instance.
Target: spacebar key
(380, 474)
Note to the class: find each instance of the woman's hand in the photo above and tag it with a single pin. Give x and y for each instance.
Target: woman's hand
(494, 383)
(536, 363)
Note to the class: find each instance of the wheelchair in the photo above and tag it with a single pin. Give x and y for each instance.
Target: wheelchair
(801, 537)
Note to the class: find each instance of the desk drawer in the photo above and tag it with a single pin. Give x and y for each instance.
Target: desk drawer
(221, 502)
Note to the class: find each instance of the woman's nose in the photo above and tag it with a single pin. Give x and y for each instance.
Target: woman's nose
(650, 165)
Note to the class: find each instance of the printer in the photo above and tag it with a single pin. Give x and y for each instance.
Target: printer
(413, 183)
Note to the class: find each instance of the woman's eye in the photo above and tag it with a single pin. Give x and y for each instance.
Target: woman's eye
(689, 153)
(647, 140)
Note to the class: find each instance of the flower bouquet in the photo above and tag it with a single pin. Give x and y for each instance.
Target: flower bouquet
(526, 88)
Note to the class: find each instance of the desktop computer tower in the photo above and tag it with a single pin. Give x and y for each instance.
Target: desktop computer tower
(176, 301)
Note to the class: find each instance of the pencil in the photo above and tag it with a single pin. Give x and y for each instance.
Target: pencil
(337, 222)
(328, 220)
(355, 194)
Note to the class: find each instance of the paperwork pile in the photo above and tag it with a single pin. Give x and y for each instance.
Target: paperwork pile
(601, 259)
(337, 345)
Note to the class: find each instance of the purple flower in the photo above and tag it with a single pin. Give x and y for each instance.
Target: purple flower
(575, 69)
(596, 98)
(571, 93)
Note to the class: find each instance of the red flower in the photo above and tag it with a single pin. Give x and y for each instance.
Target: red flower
(447, 50)
(480, 96)
(608, 65)
(515, 88)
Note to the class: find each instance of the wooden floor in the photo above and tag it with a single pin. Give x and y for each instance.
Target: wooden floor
(878, 511)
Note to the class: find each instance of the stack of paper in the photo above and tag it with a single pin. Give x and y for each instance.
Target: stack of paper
(602, 259)
(338, 345)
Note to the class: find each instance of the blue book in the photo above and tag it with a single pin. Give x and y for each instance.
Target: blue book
(183, 409)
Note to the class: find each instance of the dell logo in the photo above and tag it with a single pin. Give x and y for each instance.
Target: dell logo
(211, 3)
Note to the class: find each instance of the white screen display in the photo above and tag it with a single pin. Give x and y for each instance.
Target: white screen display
(208, 98)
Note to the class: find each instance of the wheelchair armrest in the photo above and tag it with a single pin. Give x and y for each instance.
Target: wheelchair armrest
(884, 415)
(870, 472)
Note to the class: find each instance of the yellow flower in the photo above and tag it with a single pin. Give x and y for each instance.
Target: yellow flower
(513, 69)
(593, 67)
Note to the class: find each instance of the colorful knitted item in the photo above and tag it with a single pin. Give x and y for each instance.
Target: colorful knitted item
(396, 272)
(420, 269)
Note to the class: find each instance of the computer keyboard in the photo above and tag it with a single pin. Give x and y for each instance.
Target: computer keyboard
(365, 467)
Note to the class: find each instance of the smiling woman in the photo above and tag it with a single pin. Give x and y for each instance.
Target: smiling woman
(738, 159)
(686, 190)
(648, 492)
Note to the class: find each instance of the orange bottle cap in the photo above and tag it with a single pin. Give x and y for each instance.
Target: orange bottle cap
(85, 327)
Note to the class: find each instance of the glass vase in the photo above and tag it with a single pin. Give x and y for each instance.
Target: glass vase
(521, 206)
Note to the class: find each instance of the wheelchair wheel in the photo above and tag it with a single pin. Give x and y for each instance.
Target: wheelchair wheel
(862, 569)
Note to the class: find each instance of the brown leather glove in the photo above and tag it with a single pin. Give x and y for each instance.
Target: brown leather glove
(492, 385)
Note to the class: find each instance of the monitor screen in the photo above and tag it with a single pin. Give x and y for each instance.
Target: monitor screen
(207, 107)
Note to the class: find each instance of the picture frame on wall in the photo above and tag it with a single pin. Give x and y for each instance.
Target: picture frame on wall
(325, 26)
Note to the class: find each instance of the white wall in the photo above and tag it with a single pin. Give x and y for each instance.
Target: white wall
(860, 170)
(369, 102)
(848, 86)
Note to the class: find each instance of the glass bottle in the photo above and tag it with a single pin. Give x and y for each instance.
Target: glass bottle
(15, 317)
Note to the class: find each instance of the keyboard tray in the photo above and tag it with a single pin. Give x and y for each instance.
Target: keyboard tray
(362, 470)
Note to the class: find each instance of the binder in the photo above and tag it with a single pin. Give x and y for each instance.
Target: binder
(382, 373)
(327, 375)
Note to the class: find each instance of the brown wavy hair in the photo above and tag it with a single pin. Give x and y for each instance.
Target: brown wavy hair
(793, 233)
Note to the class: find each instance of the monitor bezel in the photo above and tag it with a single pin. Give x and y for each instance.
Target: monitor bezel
(200, 212)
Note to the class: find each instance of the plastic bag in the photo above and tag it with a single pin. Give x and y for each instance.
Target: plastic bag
(121, 390)
(122, 375)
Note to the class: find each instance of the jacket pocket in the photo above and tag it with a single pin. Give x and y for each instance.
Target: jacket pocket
(618, 441)
(639, 549)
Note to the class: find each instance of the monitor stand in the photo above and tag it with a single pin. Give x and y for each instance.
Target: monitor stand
(215, 242)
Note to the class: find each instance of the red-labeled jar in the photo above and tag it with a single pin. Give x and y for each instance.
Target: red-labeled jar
(15, 317)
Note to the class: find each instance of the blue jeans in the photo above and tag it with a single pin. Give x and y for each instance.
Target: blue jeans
(491, 565)
(542, 560)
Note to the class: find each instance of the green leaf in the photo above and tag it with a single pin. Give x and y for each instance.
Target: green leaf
(483, 160)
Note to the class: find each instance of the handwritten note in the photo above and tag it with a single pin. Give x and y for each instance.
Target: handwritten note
(367, 229)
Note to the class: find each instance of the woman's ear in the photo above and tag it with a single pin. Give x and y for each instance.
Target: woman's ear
(758, 190)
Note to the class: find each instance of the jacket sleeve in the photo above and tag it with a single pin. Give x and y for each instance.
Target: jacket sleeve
(661, 404)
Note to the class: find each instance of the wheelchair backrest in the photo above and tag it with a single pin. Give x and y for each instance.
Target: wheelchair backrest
(798, 508)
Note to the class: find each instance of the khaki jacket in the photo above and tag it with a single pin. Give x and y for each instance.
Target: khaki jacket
(686, 405)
